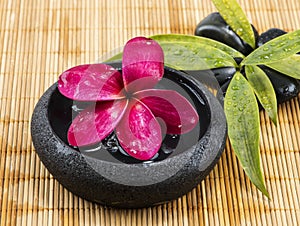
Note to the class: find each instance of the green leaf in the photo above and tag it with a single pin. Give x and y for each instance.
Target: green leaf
(195, 56)
(289, 66)
(235, 17)
(263, 89)
(242, 115)
(186, 52)
(177, 38)
(278, 48)
(117, 57)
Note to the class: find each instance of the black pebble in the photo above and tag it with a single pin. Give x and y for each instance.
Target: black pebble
(215, 27)
(269, 35)
(285, 87)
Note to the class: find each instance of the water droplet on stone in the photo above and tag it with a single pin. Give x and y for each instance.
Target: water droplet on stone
(155, 156)
(94, 149)
(76, 108)
(175, 136)
(168, 150)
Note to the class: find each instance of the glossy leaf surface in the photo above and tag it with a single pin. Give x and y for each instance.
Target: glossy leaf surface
(289, 66)
(117, 57)
(236, 19)
(166, 38)
(191, 56)
(274, 50)
(193, 40)
(263, 89)
(242, 115)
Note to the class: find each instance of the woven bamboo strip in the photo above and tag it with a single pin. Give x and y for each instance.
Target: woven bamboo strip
(23, 68)
(42, 185)
(12, 94)
(285, 161)
(224, 206)
(39, 40)
(23, 109)
(3, 114)
(277, 197)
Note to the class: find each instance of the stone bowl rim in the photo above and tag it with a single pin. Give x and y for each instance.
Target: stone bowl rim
(207, 95)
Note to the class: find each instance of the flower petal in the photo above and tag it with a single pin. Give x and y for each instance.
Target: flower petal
(96, 122)
(91, 82)
(174, 109)
(142, 64)
(138, 132)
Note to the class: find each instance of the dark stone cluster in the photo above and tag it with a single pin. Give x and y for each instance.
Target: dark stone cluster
(215, 27)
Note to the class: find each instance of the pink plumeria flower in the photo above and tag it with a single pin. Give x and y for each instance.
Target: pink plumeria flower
(126, 102)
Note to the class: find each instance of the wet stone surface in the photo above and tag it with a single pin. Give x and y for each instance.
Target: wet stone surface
(215, 27)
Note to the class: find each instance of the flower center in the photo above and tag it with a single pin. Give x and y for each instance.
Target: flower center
(128, 95)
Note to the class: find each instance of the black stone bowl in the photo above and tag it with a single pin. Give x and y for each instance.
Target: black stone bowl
(110, 181)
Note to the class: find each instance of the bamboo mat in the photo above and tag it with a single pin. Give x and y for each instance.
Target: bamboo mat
(40, 39)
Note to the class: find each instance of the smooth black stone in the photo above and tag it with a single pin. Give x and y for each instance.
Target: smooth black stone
(111, 182)
(224, 87)
(285, 87)
(269, 35)
(215, 27)
(221, 75)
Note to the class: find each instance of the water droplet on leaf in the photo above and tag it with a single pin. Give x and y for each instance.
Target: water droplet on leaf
(235, 88)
